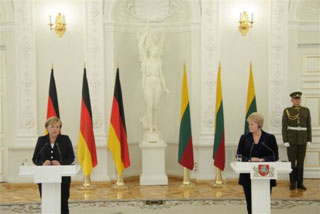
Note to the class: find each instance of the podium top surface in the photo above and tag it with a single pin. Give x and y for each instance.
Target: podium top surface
(247, 167)
(62, 170)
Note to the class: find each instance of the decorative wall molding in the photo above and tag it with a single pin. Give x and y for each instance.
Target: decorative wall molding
(278, 59)
(26, 70)
(309, 10)
(95, 64)
(210, 52)
(168, 27)
(6, 11)
(155, 10)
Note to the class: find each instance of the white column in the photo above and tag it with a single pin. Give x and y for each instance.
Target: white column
(210, 53)
(95, 71)
(95, 66)
(109, 69)
(278, 64)
(26, 72)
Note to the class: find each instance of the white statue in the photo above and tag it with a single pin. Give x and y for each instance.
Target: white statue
(150, 52)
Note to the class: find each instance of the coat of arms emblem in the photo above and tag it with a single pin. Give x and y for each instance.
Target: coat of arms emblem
(263, 169)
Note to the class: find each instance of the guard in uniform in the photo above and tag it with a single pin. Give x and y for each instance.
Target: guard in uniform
(296, 135)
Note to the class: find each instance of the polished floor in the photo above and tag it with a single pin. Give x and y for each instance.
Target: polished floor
(17, 193)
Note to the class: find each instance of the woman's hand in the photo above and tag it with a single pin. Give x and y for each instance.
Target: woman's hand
(56, 163)
(257, 159)
(46, 163)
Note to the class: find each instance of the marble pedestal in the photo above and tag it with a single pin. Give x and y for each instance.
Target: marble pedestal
(153, 160)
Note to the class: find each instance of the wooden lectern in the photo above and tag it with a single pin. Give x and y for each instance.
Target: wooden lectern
(261, 173)
(50, 177)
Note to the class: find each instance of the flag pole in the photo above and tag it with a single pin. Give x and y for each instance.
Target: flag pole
(218, 182)
(186, 179)
(87, 184)
(120, 183)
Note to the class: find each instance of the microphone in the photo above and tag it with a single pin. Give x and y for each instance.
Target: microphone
(251, 150)
(59, 152)
(274, 156)
(44, 146)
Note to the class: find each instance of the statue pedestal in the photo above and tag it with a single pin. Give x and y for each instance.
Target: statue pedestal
(153, 160)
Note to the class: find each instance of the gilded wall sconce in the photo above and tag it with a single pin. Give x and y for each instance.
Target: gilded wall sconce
(244, 23)
(59, 26)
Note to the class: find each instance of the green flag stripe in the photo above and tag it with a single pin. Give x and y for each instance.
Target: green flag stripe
(252, 108)
(185, 131)
(219, 129)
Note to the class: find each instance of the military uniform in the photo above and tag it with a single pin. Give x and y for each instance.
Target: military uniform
(296, 130)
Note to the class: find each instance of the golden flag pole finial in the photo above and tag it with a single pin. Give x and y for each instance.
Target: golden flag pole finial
(51, 65)
(117, 65)
(85, 65)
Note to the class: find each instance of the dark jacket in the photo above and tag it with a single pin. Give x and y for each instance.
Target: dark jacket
(266, 148)
(296, 117)
(62, 151)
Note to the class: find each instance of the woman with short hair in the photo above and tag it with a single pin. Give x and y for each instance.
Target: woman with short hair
(55, 149)
(256, 146)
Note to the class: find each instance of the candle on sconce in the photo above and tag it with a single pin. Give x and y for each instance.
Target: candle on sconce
(252, 17)
(240, 17)
(63, 19)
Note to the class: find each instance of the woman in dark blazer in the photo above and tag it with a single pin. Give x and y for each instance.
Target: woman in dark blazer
(55, 149)
(256, 146)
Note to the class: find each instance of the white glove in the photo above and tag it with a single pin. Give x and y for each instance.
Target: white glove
(308, 144)
(287, 144)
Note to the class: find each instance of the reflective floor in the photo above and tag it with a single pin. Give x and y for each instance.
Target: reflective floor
(13, 193)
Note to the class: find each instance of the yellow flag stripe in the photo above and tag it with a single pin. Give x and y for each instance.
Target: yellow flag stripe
(219, 91)
(185, 95)
(115, 149)
(84, 156)
(251, 91)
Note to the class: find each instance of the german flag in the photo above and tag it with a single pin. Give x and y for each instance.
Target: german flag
(117, 141)
(251, 100)
(87, 154)
(185, 155)
(53, 106)
(219, 144)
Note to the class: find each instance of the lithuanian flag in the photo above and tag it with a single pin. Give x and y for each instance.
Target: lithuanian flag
(185, 155)
(218, 147)
(117, 141)
(53, 106)
(251, 100)
(87, 154)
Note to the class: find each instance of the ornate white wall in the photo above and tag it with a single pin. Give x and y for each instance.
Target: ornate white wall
(199, 34)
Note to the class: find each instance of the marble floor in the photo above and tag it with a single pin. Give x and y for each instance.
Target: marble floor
(19, 193)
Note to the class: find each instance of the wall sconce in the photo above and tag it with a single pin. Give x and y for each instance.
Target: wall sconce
(60, 24)
(245, 23)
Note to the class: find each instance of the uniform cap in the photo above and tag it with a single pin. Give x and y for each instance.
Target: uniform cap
(296, 94)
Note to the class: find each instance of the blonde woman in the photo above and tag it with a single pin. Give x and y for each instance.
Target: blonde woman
(55, 149)
(256, 146)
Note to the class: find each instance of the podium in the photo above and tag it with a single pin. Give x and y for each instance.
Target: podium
(50, 177)
(261, 173)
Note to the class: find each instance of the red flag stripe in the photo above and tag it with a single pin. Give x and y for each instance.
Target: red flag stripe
(187, 157)
(116, 122)
(87, 131)
(50, 109)
(219, 160)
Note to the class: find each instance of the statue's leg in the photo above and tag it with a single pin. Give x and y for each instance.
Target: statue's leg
(156, 101)
(148, 101)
